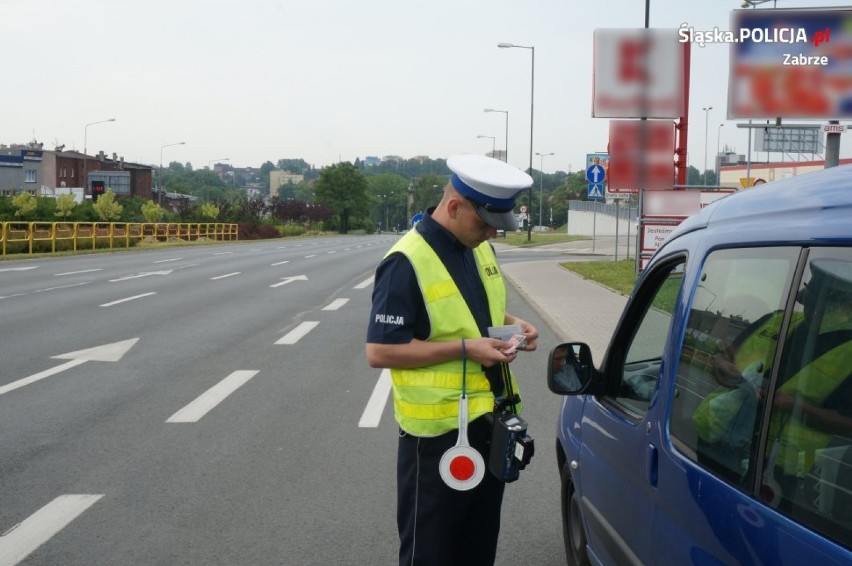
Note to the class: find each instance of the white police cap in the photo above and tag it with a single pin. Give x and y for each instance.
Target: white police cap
(491, 185)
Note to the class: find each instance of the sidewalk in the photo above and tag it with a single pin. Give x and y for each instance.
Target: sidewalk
(576, 308)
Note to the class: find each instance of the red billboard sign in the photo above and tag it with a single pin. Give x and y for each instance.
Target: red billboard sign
(641, 152)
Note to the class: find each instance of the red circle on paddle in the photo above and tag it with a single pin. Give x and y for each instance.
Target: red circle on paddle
(462, 467)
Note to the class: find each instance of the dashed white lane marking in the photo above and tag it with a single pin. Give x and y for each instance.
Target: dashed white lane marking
(193, 412)
(376, 405)
(279, 263)
(364, 283)
(298, 333)
(223, 253)
(310, 256)
(76, 272)
(335, 304)
(22, 539)
(133, 298)
(167, 260)
(333, 252)
(226, 275)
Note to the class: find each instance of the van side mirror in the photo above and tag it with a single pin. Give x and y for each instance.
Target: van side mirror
(569, 368)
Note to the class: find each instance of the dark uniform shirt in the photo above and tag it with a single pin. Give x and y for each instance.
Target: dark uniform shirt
(399, 310)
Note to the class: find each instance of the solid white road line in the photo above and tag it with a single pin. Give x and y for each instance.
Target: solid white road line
(226, 275)
(335, 304)
(128, 299)
(376, 405)
(364, 283)
(279, 263)
(212, 397)
(19, 542)
(76, 272)
(39, 376)
(297, 333)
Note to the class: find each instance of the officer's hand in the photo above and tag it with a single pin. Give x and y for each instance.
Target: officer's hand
(489, 351)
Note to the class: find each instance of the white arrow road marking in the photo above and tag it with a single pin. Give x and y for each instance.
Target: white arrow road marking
(45, 290)
(335, 304)
(76, 272)
(19, 268)
(193, 412)
(285, 280)
(226, 275)
(298, 333)
(134, 297)
(364, 283)
(143, 274)
(279, 263)
(376, 405)
(106, 353)
(20, 541)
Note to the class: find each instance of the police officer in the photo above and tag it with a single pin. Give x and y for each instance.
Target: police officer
(436, 292)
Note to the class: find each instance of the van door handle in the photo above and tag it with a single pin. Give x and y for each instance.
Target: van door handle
(652, 465)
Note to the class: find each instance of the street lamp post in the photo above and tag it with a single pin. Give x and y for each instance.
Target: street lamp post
(541, 185)
(532, 119)
(718, 162)
(160, 180)
(506, 147)
(706, 115)
(86, 154)
(493, 147)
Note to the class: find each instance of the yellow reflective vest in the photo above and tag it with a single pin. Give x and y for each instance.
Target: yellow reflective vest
(426, 399)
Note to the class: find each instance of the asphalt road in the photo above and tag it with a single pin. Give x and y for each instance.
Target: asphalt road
(212, 405)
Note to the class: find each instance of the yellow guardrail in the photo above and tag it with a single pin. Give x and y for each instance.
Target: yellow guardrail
(38, 237)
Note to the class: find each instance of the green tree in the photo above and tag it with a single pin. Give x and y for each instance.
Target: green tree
(388, 196)
(152, 212)
(265, 169)
(344, 189)
(427, 192)
(25, 205)
(210, 211)
(107, 209)
(64, 206)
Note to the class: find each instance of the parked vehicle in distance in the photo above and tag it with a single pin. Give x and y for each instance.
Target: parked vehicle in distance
(718, 427)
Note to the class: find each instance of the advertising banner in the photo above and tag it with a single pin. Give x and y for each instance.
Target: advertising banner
(790, 63)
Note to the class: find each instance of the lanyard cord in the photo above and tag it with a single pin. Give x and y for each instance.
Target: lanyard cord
(464, 368)
(507, 385)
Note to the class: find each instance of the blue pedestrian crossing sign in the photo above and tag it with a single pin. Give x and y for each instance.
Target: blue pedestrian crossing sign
(595, 174)
(596, 191)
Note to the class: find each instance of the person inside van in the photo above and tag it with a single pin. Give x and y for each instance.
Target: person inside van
(812, 403)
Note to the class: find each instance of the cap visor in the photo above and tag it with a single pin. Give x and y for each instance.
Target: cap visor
(500, 220)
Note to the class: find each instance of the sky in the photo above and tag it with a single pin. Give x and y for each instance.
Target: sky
(250, 81)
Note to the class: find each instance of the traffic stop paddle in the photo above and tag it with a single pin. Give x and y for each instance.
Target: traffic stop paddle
(462, 467)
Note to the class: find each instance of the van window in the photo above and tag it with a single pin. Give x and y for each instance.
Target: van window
(729, 344)
(641, 370)
(808, 452)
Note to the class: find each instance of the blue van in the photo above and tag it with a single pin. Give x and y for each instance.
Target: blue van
(718, 427)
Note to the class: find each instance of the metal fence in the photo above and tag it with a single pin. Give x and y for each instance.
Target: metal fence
(50, 237)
